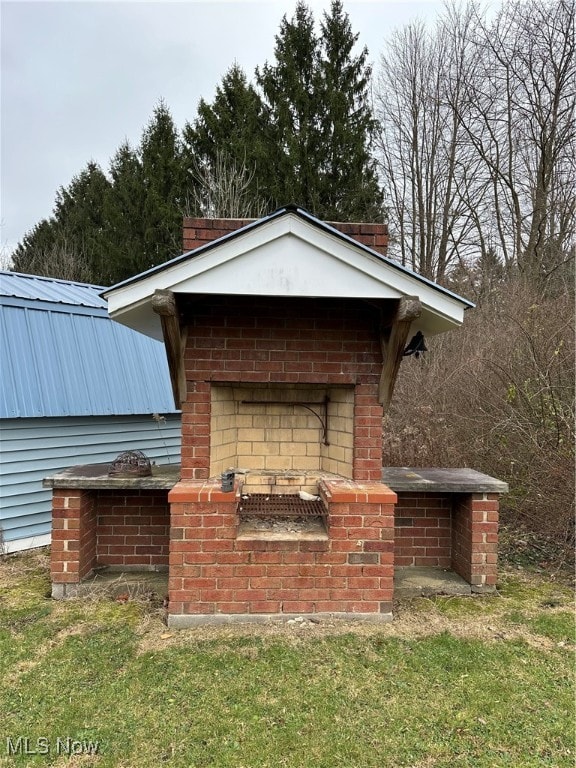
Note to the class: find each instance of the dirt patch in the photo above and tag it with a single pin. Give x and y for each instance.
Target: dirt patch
(20, 564)
(481, 617)
(154, 636)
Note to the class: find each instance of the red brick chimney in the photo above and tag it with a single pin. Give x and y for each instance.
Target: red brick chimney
(199, 231)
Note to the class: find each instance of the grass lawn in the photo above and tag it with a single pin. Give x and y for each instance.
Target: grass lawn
(452, 682)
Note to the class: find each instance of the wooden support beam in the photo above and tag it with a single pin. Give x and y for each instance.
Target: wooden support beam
(164, 304)
(393, 339)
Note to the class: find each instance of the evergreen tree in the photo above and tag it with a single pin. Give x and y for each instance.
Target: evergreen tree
(124, 212)
(320, 125)
(26, 257)
(349, 184)
(290, 91)
(77, 226)
(79, 213)
(303, 136)
(46, 250)
(227, 136)
(120, 226)
(164, 183)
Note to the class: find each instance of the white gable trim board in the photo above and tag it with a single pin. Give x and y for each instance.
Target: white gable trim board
(290, 256)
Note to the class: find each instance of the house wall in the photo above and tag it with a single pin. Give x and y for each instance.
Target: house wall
(33, 448)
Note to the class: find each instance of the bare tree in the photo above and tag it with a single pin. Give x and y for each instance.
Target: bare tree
(477, 138)
(60, 260)
(5, 259)
(518, 113)
(426, 165)
(498, 395)
(222, 190)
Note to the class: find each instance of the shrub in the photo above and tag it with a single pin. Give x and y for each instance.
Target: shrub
(497, 395)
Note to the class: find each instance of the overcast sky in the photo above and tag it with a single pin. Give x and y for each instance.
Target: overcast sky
(80, 77)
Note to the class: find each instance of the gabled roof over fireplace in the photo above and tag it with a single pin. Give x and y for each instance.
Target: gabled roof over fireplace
(289, 253)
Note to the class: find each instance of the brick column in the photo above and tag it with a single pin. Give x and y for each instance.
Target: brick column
(196, 432)
(361, 529)
(73, 550)
(202, 577)
(367, 434)
(475, 540)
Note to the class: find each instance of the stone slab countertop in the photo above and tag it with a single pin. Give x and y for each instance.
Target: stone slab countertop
(432, 479)
(441, 480)
(94, 476)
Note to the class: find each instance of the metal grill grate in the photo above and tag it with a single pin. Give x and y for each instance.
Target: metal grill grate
(291, 505)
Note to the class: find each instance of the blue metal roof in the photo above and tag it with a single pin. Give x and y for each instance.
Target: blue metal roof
(19, 286)
(61, 355)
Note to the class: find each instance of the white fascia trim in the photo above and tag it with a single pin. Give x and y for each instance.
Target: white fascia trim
(128, 298)
(32, 542)
(435, 301)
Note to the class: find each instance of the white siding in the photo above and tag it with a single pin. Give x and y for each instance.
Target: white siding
(31, 449)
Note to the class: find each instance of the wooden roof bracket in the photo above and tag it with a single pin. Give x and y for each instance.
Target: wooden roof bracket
(393, 340)
(164, 304)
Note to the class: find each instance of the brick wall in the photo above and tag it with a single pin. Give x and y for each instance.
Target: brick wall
(458, 531)
(282, 341)
(281, 436)
(423, 530)
(133, 528)
(213, 571)
(199, 231)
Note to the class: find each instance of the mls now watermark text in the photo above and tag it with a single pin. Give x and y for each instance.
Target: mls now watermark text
(22, 745)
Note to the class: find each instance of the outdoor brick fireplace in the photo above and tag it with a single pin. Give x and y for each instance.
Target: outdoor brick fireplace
(284, 339)
(285, 392)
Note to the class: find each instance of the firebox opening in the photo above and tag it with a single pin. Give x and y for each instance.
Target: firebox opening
(282, 428)
(282, 516)
(281, 512)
